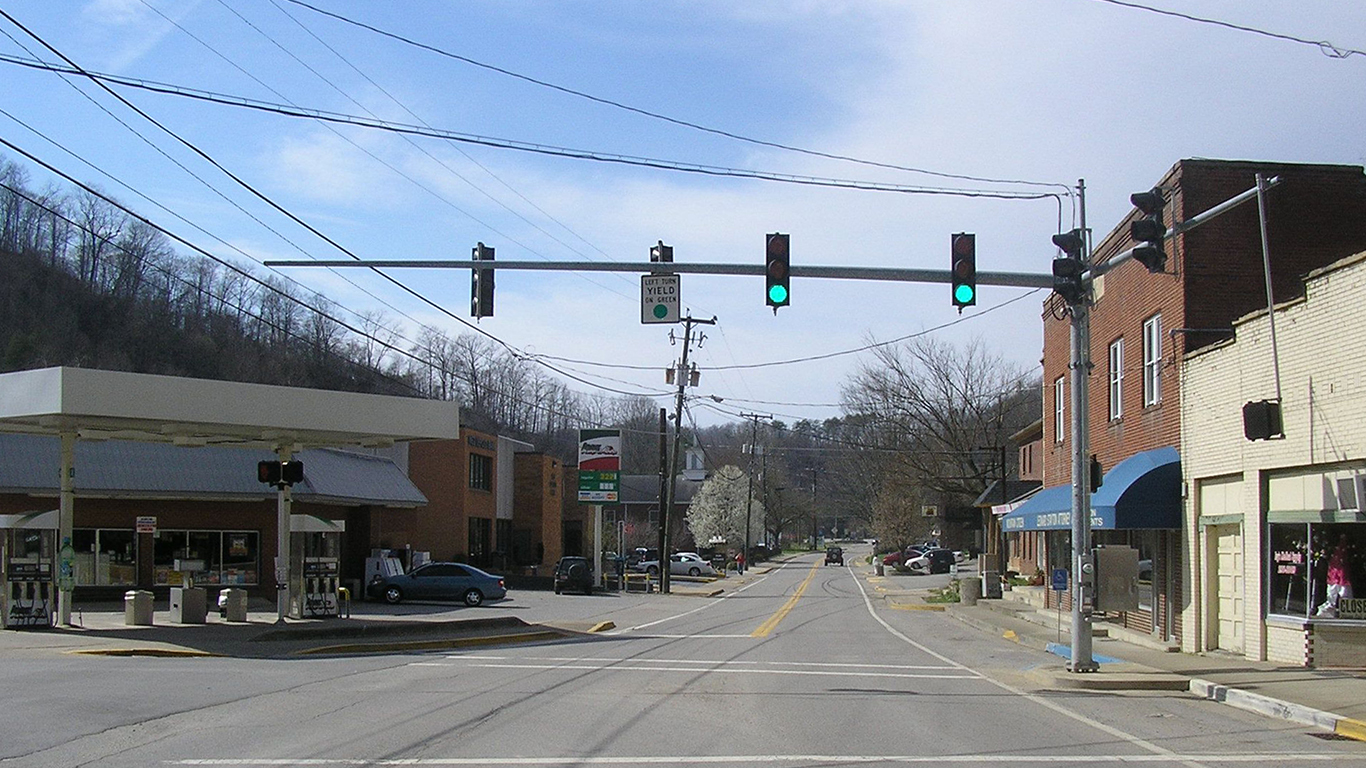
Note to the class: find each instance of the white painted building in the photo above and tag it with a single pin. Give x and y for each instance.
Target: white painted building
(1271, 525)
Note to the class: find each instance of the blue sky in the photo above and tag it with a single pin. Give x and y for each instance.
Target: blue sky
(1038, 90)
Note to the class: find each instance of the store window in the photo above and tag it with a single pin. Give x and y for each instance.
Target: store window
(1315, 568)
(105, 556)
(222, 557)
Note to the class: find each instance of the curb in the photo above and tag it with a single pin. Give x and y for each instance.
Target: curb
(164, 653)
(1236, 697)
(431, 645)
(1281, 710)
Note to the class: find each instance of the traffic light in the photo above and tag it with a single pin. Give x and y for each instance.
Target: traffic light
(1068, 268)
(778, 271)
(963, 266)
(1149, 231)
(661, 253)
(268, 472)
(481, 284)
(280, 473)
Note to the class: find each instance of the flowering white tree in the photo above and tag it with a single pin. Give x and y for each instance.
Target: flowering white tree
(718, 509)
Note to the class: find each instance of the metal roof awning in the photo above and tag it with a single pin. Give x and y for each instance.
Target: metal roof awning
(1141, 492)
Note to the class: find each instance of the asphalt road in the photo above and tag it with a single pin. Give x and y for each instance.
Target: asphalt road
(803, 667)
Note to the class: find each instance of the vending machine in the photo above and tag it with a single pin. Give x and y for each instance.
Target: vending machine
(315, 566)
(28, 559)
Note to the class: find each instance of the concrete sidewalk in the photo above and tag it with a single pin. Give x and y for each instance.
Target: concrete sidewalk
(1331, 699)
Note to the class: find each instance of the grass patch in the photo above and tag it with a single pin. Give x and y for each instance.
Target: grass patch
(947, 594)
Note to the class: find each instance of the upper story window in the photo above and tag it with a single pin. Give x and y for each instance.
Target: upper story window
(481, 472)
(1059, 408)
(1116, 379)
(1152, 360)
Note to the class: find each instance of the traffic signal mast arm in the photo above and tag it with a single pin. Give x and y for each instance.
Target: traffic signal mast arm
(893, 274)
(1109, 264)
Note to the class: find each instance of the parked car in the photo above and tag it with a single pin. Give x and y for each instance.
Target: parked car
(893, 558)
(680, 564)
(834, 555)
(438, 581)
(574, 573)
(931, 561)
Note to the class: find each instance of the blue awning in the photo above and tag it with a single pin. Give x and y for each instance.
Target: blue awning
(1141, 492)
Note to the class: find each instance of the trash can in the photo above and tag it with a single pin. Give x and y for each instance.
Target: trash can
(969, 590)
(189, 605)
(877, 567)
(137, 608)
(234, 604)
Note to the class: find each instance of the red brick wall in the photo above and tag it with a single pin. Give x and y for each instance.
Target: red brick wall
(441, 470)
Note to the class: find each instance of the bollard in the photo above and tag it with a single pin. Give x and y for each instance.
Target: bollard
(969, 590)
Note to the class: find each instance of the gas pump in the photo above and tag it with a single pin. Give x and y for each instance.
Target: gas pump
(28, 555)
(315, 565)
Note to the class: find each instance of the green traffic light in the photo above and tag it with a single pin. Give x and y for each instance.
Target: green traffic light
(777, 294)
(963, 293)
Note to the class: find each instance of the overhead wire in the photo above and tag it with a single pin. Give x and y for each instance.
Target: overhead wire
(638, 161)
(1326, 48)
(425, 188)
(659, 116)
(289, 214)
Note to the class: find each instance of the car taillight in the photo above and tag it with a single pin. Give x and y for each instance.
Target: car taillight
(501, 585)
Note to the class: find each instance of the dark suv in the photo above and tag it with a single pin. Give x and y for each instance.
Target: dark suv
(834, 555)
(574, 573)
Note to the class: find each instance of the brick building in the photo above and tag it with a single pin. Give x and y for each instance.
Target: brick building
(1143, 325)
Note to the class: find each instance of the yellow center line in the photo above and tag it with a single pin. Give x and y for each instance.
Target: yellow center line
(773, 621)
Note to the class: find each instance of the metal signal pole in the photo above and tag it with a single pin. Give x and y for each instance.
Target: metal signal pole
(1083, 563)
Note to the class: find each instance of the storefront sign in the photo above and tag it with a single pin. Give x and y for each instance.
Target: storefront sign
(1352, 608)
(147, 524)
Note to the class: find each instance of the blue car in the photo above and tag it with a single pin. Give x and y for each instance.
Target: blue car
(438, 581)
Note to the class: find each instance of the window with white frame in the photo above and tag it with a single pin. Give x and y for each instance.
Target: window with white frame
(1152, 360)
(1059, 408)
(1116, 379)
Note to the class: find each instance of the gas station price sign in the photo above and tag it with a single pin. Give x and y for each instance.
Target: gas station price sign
(599, 465)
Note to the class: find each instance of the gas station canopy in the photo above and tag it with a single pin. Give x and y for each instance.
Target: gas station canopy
(103, 405)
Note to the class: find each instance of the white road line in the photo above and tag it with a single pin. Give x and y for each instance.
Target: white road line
(978, 759)
(696, 669)
(586, 659)
(703, 607)
(1041, 701)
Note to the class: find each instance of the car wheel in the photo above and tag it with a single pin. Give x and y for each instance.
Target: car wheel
(473, 598)
(694, 571)
(393, 595)
(653, 571)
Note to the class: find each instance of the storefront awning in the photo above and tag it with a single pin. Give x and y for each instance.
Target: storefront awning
(1141, 492)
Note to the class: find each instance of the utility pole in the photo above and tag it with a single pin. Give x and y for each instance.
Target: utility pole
(683, 376)
(813, 508)
(663, 491)
(749, 495)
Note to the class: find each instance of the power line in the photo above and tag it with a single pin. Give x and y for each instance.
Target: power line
(523, 146)
(666, 118)
(1325, 47)
(287, 213)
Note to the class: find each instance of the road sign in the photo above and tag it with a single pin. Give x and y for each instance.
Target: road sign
(659, 299)
(1059, 579)
(599, 465)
